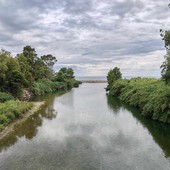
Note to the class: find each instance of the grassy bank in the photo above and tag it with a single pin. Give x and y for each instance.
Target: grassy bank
(11, 110)
(151, 96)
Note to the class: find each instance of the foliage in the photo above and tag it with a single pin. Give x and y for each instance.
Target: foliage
(49, 60)
(28, 71)
(44, 86)
(16, 81)
(66, 75)
(166, 68)
(5, 97)
(151, 96)
(166, 64)
(11, 110)
(113, 75)
(17, 73)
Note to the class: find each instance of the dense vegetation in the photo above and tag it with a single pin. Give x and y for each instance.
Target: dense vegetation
(27, 73)
(5, 97)
(151, 96)
(166, 64)
(113, 75)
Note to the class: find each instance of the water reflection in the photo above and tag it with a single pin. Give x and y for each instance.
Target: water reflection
(113, 103)
(159, 131)
(92, 132)
(29, 127)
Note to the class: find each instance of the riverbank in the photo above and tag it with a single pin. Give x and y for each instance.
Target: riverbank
(35, 106)
(151, 96)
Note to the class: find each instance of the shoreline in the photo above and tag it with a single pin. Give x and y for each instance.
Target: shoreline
(36, 106)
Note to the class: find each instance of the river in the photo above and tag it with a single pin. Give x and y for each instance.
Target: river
(85, 129)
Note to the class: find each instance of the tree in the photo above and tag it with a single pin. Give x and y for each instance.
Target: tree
(16, 82)
(11, 77)
(113, 75)
(64, 74)
(166, 68)
(30, 54)
(25, 67)
(165, 72)
(70, 73)
(4, 59)
(49, 60)
(34, 67)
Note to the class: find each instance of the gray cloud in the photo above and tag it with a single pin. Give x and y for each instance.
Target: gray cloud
(89, 35)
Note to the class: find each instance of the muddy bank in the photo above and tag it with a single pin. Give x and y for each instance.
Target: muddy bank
(9, 128)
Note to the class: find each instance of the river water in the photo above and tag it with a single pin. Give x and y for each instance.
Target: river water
(85, 129)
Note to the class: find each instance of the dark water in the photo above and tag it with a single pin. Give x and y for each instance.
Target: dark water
(86, 130)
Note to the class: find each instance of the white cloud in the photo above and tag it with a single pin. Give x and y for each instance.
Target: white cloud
(92, 36)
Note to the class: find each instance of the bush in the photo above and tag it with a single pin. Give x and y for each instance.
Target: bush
(11, 110)
(44, 86)
(3, 119)
(151, 96)
(5, 97)
(1, 128)
(41, 87)
(10, 115)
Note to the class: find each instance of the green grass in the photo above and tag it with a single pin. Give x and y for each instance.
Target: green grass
(151, 96)
(12, 110)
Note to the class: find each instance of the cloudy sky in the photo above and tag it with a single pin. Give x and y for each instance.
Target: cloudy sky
(90, 36)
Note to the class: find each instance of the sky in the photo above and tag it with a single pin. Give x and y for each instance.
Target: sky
(91, 36)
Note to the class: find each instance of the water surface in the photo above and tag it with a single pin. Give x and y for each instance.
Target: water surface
(85, 129)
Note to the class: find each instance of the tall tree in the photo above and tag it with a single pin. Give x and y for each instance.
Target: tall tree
(49, 60)
(113, 75)
(165, 72)
(30, 54)
(64, 74)
(4, 59)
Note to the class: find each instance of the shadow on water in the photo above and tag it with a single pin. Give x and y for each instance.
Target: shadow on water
(113, 103)
(29, 127)
(159, 131)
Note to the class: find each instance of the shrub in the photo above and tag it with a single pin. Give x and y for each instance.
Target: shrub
(152, 96)
(3, 119)
(10, 115)
(44, 86)
(5, 97)
(11, 110)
